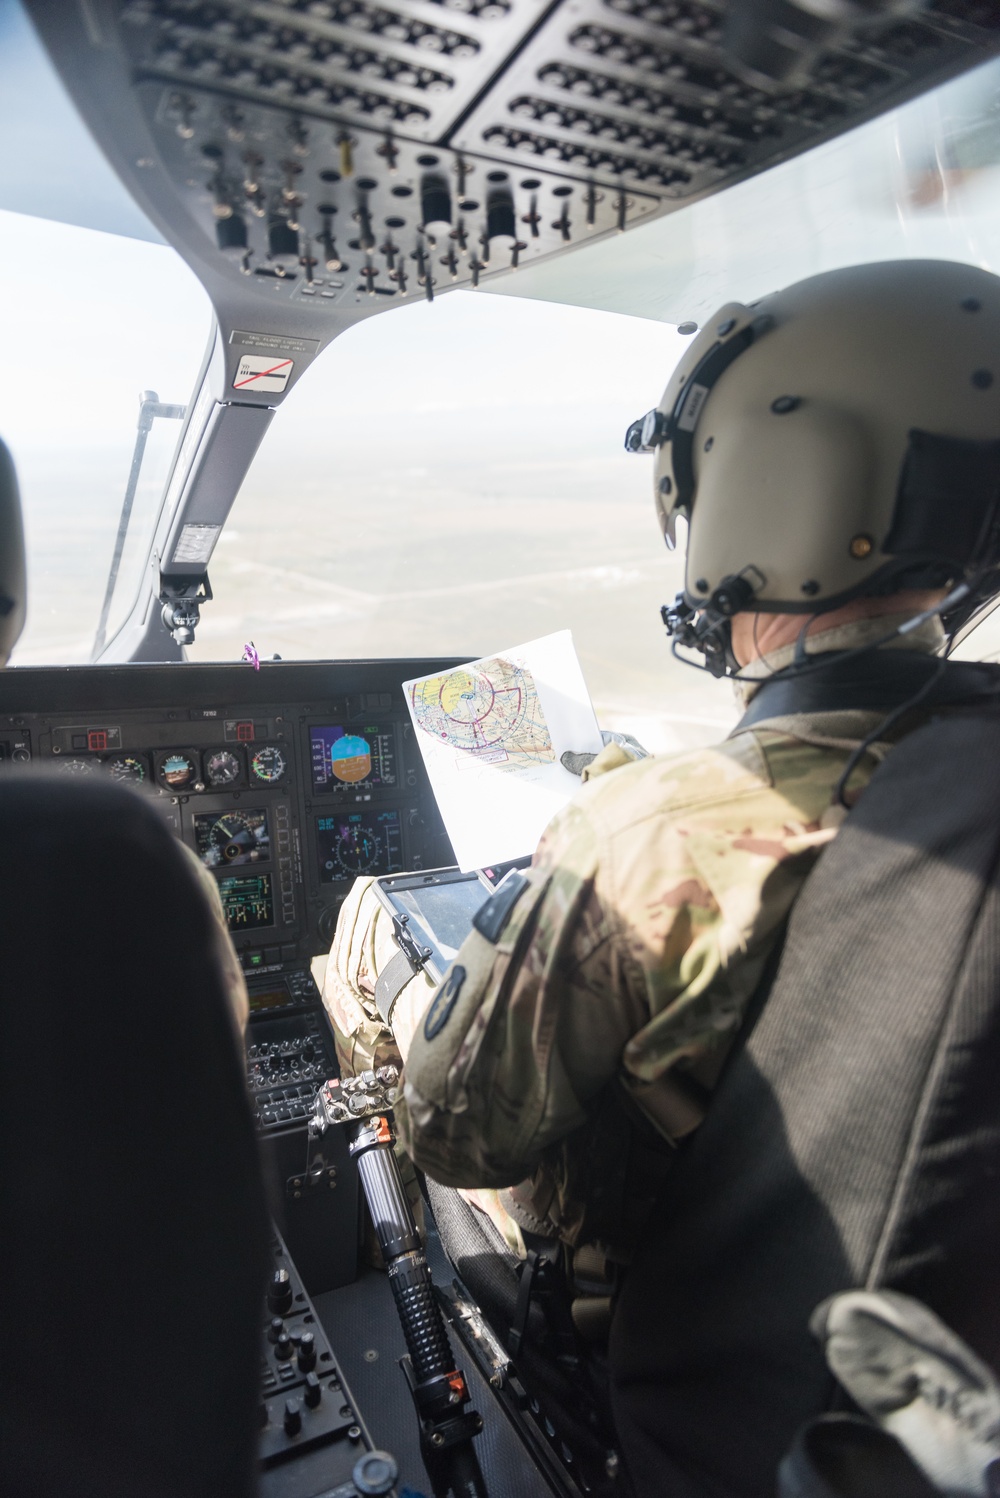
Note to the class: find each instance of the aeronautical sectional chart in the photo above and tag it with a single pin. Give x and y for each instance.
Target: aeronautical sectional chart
(490, 712)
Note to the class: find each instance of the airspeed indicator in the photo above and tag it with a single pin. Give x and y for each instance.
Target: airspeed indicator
(127, 770)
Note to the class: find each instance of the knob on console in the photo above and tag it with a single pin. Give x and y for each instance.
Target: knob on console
(282, 243)
(375, 1472)
(279, 1292)
(283, 1348)
(307, 1352)
(293, 1417)
(276, 1328)
(314, 1392)
(435, 203)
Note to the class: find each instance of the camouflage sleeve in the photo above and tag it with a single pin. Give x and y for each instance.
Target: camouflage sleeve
(525, 1030)
(363, 946)
(229, 964)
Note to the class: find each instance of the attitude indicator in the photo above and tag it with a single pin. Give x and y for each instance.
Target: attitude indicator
(352, 762)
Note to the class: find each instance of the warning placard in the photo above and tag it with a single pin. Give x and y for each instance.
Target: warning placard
(265, 374)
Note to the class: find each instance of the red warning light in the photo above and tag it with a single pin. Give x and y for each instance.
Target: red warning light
(97, 739)
(244, 732)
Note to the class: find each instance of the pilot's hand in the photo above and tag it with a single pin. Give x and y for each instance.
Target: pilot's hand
(577, 763)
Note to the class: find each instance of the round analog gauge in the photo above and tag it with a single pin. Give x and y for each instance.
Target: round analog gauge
(222, 768)
(268, 764)
(356, 850)
(178, 771)
(127, 769)
(77, 766)
(234, 839)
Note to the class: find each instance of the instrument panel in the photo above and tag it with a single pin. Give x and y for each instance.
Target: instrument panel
(287, 782)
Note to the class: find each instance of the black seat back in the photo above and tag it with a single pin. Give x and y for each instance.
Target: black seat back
(855, 1141)
(132, 1222)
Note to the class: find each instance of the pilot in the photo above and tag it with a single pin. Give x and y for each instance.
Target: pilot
(13, 608)
(834, 451)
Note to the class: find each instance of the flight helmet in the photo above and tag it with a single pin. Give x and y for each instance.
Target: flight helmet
(837, 438)
(13, 579)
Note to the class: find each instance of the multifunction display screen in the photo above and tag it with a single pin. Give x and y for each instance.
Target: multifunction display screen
(232, 837)
(274, 998)
(362, 842)
(247, 901)
(349, 762)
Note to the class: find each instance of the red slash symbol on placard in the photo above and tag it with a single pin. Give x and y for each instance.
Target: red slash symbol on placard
(261, 374)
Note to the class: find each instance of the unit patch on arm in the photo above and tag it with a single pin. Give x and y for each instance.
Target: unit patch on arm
(443, 1003)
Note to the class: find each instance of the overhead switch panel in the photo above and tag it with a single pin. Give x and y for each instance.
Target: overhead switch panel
(343, 155)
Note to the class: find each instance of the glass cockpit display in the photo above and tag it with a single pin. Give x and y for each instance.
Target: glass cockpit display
(247, 901)
(349, 762)
(229, 838)
(362, 842)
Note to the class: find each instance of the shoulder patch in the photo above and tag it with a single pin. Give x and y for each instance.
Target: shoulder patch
(443, 1003)
(491, 917)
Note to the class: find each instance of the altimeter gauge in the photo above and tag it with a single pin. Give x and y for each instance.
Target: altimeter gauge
(222, 767)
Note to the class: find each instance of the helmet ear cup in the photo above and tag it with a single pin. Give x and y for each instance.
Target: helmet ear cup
(12, 563)
(779, 533)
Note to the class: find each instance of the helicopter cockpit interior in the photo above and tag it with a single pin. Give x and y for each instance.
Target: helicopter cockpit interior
(473, 230)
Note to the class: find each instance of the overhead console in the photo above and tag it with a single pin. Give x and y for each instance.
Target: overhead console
(287, 782)
(327, 158)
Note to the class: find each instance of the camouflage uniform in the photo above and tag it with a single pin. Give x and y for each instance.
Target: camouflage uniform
(604, 1009)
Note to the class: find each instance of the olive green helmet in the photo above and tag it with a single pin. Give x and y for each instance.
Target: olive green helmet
(12, 568)
(837, 438)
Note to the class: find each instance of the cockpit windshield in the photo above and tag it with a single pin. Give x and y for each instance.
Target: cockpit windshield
(450, 478)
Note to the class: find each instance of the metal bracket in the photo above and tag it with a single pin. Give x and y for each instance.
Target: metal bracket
(182, 598)
(317, 1176)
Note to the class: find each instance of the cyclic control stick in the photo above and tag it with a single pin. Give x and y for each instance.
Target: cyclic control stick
(447, 1426)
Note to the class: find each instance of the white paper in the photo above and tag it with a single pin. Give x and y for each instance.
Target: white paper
(492, 734)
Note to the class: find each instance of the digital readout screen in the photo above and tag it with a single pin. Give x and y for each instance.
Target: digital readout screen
(350, 761)
(361, 842)
(247, 901)
(274, 998)
(225, 839)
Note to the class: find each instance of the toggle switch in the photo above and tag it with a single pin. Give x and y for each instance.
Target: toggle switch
(363, 218)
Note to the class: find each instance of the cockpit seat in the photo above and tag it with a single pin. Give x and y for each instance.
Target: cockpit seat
(854, 1142)
(133, 1236)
